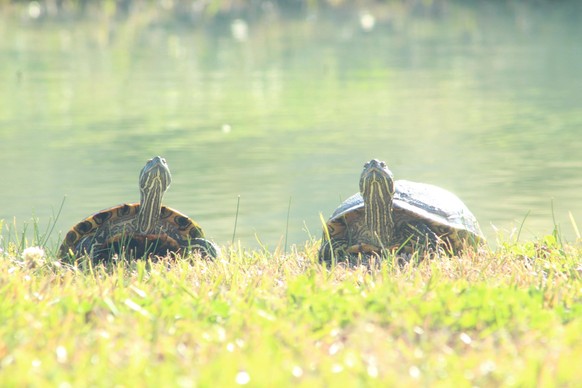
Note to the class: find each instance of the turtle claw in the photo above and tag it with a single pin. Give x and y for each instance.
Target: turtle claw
(363, 248)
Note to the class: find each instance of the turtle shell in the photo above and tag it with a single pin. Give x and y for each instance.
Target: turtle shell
(438, 208)
(113, 230)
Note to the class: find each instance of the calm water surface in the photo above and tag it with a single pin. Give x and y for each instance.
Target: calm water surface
(485, 101)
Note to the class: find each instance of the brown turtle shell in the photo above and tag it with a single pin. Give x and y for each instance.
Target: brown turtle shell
(113, 231)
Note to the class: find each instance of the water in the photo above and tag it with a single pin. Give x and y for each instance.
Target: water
(484, 100)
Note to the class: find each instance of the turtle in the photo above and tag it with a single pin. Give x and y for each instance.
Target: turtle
(400, 216)
(139, 229)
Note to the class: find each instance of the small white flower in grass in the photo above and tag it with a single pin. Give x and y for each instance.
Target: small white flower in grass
(242, 378)
(372, 371)
(34, 10)
(334, 348)
(61, 354)
(33, 255)
(367, 21)
(220, 334)
(239, 30)
(414, 372)
(464, 337)
(487, 367)
(297, 371)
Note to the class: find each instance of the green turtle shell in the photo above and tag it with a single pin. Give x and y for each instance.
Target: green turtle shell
(442, 211)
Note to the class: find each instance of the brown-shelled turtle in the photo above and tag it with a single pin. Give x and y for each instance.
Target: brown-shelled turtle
(399, 216)
(139, 229)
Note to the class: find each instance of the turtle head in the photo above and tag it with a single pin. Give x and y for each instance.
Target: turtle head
(154, 180)
(377, 189)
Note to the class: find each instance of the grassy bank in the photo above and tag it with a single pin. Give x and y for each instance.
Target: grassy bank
(507, 317)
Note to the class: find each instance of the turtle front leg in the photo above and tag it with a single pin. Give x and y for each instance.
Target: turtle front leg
(205, 247)
(338, 250)
(333, 250)
(363, 248)
(418, 238)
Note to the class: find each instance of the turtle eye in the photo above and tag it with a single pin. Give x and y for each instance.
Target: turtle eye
(366, 164)
(383, 164)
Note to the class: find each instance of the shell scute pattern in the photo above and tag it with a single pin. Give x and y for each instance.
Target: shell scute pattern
(102, 217)
(182, 222)
(126, 210)
(109, 229)
(84, 227)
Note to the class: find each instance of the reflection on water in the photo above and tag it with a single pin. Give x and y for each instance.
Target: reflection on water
(483, 100)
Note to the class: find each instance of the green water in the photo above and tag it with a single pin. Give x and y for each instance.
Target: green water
(482, 99)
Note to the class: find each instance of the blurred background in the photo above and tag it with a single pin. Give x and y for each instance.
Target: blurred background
(274, 106)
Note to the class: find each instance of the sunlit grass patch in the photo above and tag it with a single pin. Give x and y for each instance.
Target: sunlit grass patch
(509, 316)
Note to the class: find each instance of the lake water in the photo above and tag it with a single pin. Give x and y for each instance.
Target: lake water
(281, 112)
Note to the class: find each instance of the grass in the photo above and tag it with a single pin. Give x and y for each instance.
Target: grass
(508, 317)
